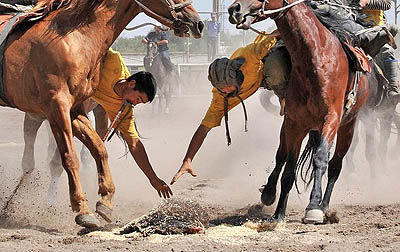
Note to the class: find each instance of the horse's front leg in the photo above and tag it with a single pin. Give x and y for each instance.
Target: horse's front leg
(60, 123)
(84, 131)
(269, 190)
(294, 135)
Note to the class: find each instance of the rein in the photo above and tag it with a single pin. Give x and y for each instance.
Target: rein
(173, 10)
(281, 11)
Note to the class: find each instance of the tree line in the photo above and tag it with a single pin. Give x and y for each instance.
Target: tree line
(229, 42)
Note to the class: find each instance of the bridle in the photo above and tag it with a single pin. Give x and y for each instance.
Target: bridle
(280, 11)
(173, 8)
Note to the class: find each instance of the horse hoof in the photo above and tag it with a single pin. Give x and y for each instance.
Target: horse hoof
(267, 198)
(314, 216)
(104, 211)
(87, 221)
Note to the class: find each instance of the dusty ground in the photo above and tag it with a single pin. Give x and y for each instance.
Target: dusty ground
(228, 180)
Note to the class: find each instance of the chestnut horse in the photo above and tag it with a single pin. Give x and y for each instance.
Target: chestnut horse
(52, 66)
(319, 83)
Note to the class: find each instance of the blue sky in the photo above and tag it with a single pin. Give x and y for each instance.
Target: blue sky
(206, 5)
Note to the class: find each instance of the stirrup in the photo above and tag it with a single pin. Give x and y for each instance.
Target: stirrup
(391, 42)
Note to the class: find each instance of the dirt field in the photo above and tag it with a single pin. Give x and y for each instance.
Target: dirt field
(229, 178)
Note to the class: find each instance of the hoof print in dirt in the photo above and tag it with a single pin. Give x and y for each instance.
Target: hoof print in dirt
(331, 217)
(172, 216)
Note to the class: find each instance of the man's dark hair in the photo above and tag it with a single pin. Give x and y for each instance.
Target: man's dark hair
(145, 82)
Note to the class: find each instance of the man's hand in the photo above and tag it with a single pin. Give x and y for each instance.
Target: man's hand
(162, 188)
(185, 168)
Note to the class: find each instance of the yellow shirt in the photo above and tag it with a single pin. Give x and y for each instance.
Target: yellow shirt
(113, 70)
(375, 16)
(252, 71)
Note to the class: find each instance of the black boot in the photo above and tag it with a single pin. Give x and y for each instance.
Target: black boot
(392, 74)
(372, 42)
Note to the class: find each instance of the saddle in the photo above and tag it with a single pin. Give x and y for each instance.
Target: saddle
(357, 57)
(8, 22)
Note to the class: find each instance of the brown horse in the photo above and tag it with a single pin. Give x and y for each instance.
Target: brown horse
(52, 66)
(319, 82)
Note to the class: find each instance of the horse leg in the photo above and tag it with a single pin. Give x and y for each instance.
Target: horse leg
(60, 123)
(294, 136)
(350, 155)
(268, 194)
(56, 170)
(84, 131)
(101, 118)
(52, 145)
(314, 214)
(31, 127)
(385, 130)
(370, 151)
(344, 138)
(85, 154)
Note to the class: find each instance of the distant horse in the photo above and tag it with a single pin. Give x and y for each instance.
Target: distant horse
(379, 113)
(154, 65)
(320, 80)
(52, 66)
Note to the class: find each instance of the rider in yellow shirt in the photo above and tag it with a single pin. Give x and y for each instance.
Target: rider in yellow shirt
(374, 9)
(234, 80)
(116, 87)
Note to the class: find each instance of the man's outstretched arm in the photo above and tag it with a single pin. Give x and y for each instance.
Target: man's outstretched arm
(139, 154)
(194, 146)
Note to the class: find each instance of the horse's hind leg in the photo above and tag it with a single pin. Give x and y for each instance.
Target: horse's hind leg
(56, 170)
(385, 130)
(31, 127)
(344, 138)
(83, 130)
(86, 159)
(60, 122)
(350, 155)
(370, 150)
(269, 190)
(314, 214)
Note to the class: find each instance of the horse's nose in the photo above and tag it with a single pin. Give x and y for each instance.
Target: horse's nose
(234, 13)
(200, 26)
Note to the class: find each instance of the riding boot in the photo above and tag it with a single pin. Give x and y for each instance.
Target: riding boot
(393, 76)
(372, 42)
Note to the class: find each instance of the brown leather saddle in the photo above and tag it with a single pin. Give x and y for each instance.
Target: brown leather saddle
(358, 58)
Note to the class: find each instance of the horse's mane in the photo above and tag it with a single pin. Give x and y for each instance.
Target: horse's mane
(76, 11)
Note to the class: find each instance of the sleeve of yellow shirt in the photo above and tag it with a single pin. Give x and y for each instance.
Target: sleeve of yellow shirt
(252, 71)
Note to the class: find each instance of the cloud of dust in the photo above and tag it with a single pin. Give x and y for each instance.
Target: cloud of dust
(227, 176)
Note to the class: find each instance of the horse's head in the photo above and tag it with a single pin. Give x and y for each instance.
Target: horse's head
(243, 13)
(152, 50)
(178, 15)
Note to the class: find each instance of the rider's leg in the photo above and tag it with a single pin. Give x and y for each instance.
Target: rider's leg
(391, 68)
(166, 60)
(372, 42)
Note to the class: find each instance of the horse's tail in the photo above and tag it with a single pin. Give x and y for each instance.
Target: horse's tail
(304, 164)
